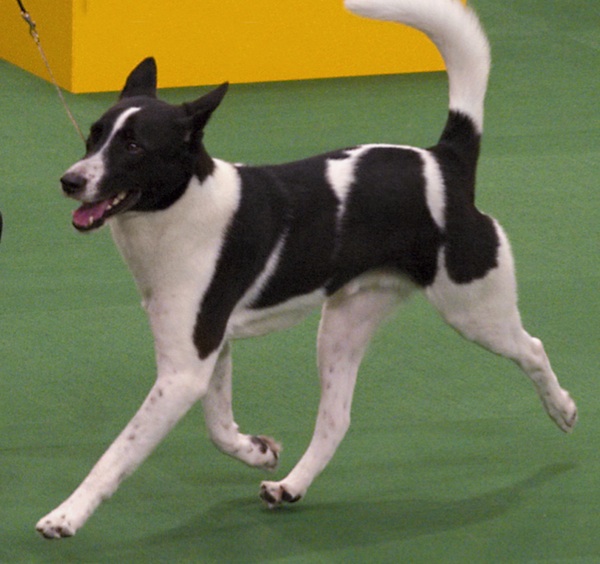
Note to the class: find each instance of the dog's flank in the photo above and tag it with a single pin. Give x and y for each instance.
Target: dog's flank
(222, 251)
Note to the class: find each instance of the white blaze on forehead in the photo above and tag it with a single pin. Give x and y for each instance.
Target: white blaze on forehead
(119, 123)
(92, 168)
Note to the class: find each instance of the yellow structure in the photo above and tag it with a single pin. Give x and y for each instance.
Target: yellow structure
(93, 44)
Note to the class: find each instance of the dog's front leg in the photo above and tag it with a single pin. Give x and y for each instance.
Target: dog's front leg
(257, 451)
(170, 398)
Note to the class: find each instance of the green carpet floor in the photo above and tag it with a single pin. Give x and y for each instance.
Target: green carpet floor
(450, 457)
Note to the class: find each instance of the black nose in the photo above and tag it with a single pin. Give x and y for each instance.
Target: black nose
(72, 183)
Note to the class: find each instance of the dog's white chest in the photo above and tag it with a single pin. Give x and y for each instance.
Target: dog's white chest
(176, 250)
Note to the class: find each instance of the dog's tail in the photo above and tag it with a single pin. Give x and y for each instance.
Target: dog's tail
(455, 30)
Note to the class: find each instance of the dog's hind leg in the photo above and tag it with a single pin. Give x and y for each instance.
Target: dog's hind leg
(485, 311)
(348, 321)
(258, 451)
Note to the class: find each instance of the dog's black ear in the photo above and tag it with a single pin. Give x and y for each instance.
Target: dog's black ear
(201, 109)
(141, 81)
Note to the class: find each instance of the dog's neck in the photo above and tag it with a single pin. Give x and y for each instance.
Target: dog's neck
(195, 225)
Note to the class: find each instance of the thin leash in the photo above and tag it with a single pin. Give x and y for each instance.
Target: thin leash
(36, 38)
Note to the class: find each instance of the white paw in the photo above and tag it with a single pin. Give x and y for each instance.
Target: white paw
(563, 412)
(56, 525)
(275, 493)
(267, 452)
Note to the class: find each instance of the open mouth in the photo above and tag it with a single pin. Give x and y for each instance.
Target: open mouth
(93, 215)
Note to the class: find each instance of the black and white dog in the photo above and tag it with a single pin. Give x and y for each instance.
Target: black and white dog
(222, 251)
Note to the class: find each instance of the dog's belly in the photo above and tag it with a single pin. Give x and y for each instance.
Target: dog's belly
(250, 322)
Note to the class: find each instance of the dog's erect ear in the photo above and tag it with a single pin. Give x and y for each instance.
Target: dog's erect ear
(141, 81)
(201, 109)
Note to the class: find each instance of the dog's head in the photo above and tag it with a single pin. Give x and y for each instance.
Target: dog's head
(141, 154)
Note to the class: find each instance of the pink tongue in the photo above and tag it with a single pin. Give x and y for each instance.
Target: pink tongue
(88, 214)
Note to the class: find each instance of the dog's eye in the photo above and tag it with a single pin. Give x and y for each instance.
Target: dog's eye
(134, 148)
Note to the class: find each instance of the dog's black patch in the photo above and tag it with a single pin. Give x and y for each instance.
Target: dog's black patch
(471, 238)
(254, 231)
(387, 223)
(292, 200)
(310, 229)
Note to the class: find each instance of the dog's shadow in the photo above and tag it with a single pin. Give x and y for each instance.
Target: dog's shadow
(237, 531)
